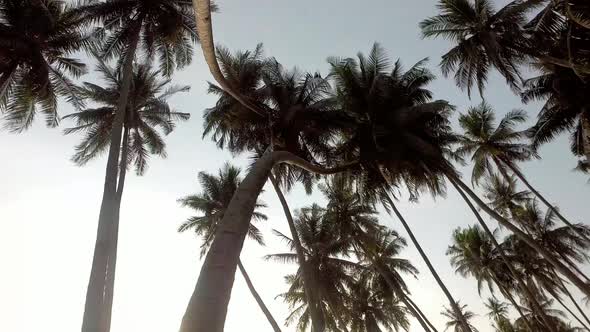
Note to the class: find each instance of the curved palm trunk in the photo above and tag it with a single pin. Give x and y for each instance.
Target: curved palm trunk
(585, 121)
(97, 309)
(316, 314)
(521, 284)
(258, 299)
(527, 239)
(519, 174)
(417, 308)
(444, 288)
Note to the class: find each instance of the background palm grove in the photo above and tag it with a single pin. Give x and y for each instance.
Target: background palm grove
(432, 180)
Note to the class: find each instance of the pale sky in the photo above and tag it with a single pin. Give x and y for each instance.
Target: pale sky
(49, 207)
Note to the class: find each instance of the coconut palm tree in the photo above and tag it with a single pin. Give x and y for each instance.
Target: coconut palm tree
(374, 246)
(500, 147)
(503, 195)
(326, 256)
(162, 28)
(474, 254)
(397, 139)
(212, 204)
(498, 312)
(374, 311)
(38, 39)
(483, 38)
(454, 322)
(294, 122)
(148, 112)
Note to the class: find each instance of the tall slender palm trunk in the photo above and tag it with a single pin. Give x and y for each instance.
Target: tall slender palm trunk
(441, 284)
(317, 316)
(585, 121)
(571, 297)
(521, 284)
(556, 297)
(564, 270)
(97, 309)
(522, 178)
(417, 308)
(258, 299)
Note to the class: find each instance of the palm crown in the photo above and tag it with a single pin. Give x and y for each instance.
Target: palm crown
(483, 38)
(147, 112)
(212, 202)
(38, 38)
(162, 28)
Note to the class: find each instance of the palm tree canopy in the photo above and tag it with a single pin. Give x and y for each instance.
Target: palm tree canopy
(297, 114)
(488, 144)
(454, 321)
(164, 28)
(399, 130)
(212, 203)
(504, 196)
(147, 112)
(483, 38)
(38, 39)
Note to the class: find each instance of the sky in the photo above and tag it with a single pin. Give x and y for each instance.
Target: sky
(49, 206)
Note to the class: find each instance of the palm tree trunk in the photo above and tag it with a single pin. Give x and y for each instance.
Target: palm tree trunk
(571, 297)
(97, 310)
(569, 310)
(444, 288)
(258, 299)
(574, 266)
(519, 174)
(316, 314)
(417, 308)
(511, 299)
(527, 239)
(207, 306)
(523, 287)
(585, 121)
(112, 257)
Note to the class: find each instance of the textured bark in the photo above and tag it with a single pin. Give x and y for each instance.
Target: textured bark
(522, 178)
(258, 299)
(439, 281)
(521, 284)
(97, 310)
(565, 271)
(317, 316)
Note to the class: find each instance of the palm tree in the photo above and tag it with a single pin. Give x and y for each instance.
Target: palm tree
(399, 133)
(374, 311)
(293, 123)
(374, 246)
(498, 312)
(565, 108)
(326, 255)
(503, 195)
(501, 146)
(212, 204)
(37, 39)
(147, 113)
(473, 253)
(165, 28)
(483, 38)
(455, 322)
